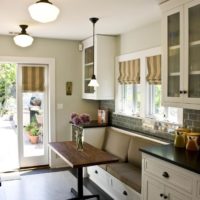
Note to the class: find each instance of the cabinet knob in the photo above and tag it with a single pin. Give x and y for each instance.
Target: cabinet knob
(96, 172)
(181, 92)
(125, 193)
(165, 197)
(165, 174)
(184, 92)
(161, 195)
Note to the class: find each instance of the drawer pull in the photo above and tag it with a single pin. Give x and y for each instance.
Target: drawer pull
(125, 193)
(165, 197)
(161, 195)
(165, 174)
(96, 172)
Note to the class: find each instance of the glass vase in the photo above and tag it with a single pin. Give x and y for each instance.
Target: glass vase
(79, 139)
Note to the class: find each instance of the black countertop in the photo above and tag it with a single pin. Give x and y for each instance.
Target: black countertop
(179, 156)
(92, 124)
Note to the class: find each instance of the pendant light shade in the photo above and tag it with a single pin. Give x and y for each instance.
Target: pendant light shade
(93, 82)
(43, 11)
(23, 39)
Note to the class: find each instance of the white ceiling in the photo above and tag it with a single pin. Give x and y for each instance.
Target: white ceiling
(116, 17)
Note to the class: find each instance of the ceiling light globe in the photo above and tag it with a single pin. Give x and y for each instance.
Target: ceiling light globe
(23, 40)
(43, 12)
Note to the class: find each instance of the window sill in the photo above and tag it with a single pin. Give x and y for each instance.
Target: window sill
(128, 115)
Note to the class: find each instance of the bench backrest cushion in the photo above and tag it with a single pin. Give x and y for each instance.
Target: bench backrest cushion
(134, 154)
(116, 143)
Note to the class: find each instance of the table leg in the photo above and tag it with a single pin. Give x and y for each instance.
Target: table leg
(79, 195)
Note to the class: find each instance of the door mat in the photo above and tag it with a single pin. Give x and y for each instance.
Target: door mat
(10, 176)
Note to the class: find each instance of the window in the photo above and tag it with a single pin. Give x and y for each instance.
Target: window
(143, 98)
(130, 99)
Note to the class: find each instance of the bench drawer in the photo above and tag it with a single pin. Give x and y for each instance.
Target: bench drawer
(96, 173)
(122, 191)
(170, 174)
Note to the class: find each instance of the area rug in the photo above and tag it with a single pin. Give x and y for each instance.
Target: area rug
(43, 186)
(9, 176)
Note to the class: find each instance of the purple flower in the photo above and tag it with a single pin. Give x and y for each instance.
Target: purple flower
(85, 118)
(79, 119)
(76, 120)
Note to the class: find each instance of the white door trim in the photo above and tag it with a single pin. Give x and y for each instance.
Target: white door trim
(51, 90)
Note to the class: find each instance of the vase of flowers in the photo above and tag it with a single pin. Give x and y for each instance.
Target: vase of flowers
(79, 120)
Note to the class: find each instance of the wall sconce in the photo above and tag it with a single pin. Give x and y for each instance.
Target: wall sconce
(23, 39)
(43, 11)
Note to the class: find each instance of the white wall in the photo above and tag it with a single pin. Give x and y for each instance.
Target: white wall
(68, 68)
(140, 39)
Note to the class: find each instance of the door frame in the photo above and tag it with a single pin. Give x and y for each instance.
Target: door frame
(51, 91)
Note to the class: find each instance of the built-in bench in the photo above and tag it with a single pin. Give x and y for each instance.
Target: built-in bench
(122, 180)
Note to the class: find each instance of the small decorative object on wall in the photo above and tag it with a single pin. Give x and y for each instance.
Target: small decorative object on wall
(68, 88)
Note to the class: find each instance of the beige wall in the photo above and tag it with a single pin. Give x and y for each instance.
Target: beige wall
(68, 68)
(142, 38)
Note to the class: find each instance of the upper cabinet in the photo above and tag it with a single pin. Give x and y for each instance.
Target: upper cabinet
(181, 53)
(103, 66)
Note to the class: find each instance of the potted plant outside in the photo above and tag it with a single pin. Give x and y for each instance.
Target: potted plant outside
(33, 132)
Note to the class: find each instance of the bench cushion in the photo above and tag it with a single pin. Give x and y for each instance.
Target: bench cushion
(134, 154)
(116, 143)
(126, 173)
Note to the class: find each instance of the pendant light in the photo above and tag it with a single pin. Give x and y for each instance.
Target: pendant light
(23, 39)
(93, 82)
(43, 11)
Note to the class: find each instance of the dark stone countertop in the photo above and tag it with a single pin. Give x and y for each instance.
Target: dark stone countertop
(179, 156)
(92, 124)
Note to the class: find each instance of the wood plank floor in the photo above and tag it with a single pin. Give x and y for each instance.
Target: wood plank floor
(46, 184)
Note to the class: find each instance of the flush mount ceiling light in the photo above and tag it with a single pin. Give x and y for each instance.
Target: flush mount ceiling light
(23, 39)
(93, 82)
(43, 11)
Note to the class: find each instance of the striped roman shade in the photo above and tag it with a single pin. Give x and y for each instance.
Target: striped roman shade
(154, 69)
(129, 72)
(32, 79)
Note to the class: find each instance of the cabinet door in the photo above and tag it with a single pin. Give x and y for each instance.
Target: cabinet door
(152, 189)
(192, 52)
(174, 195)
(173, 55)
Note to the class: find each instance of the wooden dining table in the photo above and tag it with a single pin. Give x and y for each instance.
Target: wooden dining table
(89, 156)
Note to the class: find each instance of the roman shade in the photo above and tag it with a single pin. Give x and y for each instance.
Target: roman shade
(32, 79)
(154, 69)
(129, 72)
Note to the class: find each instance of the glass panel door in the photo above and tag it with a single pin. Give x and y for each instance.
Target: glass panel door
(88, 69)
(32, 110)
(173, 24)
(194, 52)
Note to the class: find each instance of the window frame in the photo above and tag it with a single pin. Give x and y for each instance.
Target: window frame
(144, 86)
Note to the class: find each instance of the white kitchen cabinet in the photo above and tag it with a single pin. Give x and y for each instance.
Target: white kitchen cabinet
(162, 180)
(103, 66)
(181, 53)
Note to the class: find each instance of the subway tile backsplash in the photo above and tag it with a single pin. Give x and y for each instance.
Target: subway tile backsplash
(191, 119)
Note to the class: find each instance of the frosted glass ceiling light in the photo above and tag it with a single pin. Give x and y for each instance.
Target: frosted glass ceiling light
(93, 82)
(23, 39)
(43, 11)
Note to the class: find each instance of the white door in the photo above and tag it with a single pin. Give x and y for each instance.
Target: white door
(32, 108)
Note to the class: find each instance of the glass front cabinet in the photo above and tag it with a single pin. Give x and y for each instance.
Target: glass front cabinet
(181, 54)
(101, 64)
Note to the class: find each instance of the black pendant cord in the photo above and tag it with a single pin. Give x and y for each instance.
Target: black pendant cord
(93, 20)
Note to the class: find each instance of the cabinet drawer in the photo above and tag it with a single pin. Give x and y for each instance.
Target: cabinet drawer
(170, 174)
(97, 174)
(122, 191)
